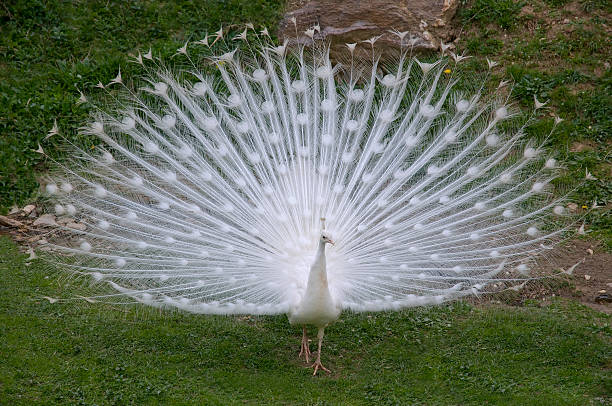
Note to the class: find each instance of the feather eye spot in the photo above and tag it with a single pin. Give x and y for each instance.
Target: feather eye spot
(302, 119)
(462, 106)
(260, 75)
(151, 147)
(66, 187)
(70, 209)
(450, 136)
(107, 158)
(160, 88)
(356, 95)
(128, 123)
(327, 105)
(386, 116)
(389, 80)
(168, 122)
(51, 188)
(268, 107)
(99, 191)
(200, 89)
(298, 86)
(243, 127)
(323, 72)
(492, 140)
(501, 113)
(538, 187)
(428, 111)
(480, 206)
(530, 153)
(352, 125)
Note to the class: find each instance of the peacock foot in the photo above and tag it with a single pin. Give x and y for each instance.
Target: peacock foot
(305, 351)
(317, 364)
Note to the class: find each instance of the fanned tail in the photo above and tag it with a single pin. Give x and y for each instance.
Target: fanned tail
(207, 194)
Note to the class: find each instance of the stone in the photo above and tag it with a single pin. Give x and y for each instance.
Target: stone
(45, 220)
(76, 226)
(28, 209)
(354, 21)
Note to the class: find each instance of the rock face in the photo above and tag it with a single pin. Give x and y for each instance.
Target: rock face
(353, 21)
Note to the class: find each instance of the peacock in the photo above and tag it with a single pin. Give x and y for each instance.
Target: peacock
(282, 181)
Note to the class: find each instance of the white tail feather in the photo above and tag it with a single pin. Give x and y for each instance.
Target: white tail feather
(208, 196)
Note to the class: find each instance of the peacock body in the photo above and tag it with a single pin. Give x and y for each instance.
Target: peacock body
(207, 194)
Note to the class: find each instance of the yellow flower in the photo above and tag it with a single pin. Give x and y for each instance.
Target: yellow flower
(584, 206)
(447, 71)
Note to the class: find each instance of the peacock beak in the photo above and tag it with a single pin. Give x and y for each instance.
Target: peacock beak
(331, 242)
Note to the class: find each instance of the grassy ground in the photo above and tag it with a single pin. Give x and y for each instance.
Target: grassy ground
(81, 353)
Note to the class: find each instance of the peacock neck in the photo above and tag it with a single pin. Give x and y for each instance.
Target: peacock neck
(317, 278)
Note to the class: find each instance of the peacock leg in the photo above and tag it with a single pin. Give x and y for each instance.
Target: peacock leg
(305, 348)
(317, 364)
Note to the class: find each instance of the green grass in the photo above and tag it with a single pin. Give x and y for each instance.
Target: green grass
(557, 53)
(82, 353)
(50, 50)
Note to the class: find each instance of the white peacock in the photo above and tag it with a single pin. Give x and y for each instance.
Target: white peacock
(208, 195)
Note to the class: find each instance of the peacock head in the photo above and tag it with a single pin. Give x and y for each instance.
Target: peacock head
(326, 239)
